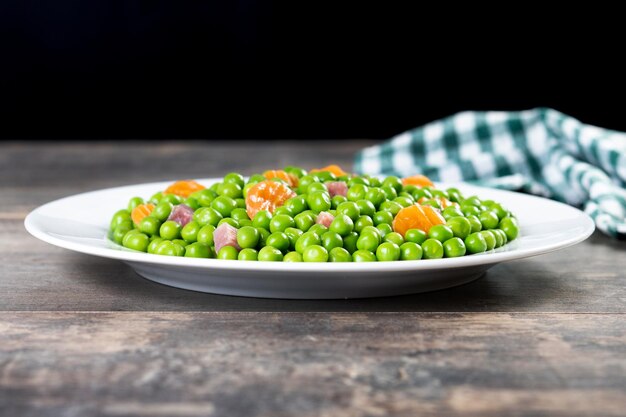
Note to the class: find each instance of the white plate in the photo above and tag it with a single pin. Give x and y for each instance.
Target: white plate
(80, 223)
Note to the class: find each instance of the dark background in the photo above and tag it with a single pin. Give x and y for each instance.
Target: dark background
(259, 70)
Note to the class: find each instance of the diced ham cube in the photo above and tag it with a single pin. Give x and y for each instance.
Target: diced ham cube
(324, 218)
(225, 235)
(181, 214)
(337, 188)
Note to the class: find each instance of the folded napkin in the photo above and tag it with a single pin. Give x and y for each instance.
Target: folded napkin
(539, 151)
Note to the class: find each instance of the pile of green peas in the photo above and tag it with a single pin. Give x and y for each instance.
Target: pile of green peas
(361, 230)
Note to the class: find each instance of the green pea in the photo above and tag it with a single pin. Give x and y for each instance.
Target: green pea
(375, 182)
(475, 243)
(205, 197)
(383, 217)
(315, 253)
(421, 193)
(490, 239)
(162, 210)
(154, 244)
(149, 225)
(362, 222)
(134, 202)
(342, 224)
(292, 257)
(358, 180)
(350, 209)
(410, 251)
(279, 240)
(262, 219)
(296, 205)
(205, 234)
(349, 242)
(305, 181)
(228, 253)
(510, 227)
(488, 219)
(477, 226)
(356, 192)
(293, 234)
(119, 217)
(337, 200)
(331, 240)
(318, 229)
(404, 201)
(197, 250)
(128, 234)
(408, 195)
(206, 215)
(452, 211)
(294, 170)
(318, 201)
(248, 254)
(255, 179)
(394, 237)
(239, 214)
(388, 251)
(500, 211)
(367, 242)
(460, 226)
(316, 186)
(190, 232)
(366, 207)
(192, 202)
(234, 178)
(374, 231)
(385, 229)
(415, 235)
(167, 248)
(339, 255)
(282, 210)
(432, 249)
(234, 223)
(469, 210)
(304, 221)
(454, 247)
(502, 237)
(363, 256)
(376, 196)
(248, 237)
(156, 198)
(172, 198)
(170, 230)
(270, 254)
(280, 222)
(137, 241)
(473, 200)
(391, 206)
(307, 239)
(440, 193)
(394, 182)
(223, 205)
(324, 175)
(263, 235)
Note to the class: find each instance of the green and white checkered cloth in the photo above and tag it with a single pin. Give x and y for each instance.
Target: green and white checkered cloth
(539, 151)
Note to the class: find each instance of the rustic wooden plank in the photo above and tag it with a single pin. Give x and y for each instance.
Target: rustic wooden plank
(268, 364)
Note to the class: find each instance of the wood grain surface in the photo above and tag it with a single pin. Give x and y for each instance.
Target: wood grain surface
(83, 336)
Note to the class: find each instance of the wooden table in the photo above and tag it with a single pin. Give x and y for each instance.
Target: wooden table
(84, 336)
